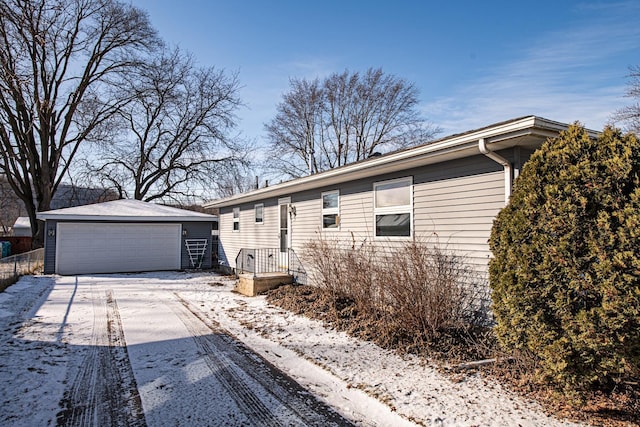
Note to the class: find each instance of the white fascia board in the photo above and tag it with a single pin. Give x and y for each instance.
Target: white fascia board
(116, 218)
(378, 166)
(126, 210)
(456, 146)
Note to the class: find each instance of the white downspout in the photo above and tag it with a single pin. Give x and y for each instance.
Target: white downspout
(482, 146)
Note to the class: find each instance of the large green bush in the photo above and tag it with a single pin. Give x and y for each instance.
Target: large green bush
(565, 276)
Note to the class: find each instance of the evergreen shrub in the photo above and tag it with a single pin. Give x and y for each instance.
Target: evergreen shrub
(565, 276)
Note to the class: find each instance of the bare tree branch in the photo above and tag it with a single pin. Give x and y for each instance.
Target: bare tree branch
(59, 60)
(172, 138)
(630, 114)
(343, 119)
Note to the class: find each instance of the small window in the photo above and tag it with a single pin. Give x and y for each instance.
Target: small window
(331, 210)
(258, 212)
(236, 219)
(393, 206)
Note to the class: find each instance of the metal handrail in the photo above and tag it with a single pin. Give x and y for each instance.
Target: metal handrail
(270, 260)
(296, 269)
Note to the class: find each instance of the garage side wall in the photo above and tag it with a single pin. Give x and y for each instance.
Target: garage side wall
(50, 246)
(196, 230)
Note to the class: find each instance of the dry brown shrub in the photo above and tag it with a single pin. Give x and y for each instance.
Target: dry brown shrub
(337, 269)
(427, 289)
(417, 291)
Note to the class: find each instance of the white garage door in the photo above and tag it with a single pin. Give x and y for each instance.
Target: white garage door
(115, 248)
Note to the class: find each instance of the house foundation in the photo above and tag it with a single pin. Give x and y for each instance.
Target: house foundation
(251, 285)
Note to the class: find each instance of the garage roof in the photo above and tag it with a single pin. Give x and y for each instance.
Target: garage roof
(126, 210)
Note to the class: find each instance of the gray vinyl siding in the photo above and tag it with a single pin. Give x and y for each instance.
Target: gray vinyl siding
(227, 243)
(454, 205)
(195, 230)
(251, 235)
(458, 213)
(50, 247)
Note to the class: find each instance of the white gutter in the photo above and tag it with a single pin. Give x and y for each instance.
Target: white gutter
(123, 218)
(482, 146)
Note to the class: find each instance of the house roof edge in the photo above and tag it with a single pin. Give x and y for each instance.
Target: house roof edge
(463, 143)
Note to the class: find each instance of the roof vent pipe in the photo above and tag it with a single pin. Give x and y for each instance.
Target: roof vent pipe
(482, 146)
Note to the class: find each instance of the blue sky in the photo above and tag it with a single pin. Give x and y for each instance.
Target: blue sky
(475, 63)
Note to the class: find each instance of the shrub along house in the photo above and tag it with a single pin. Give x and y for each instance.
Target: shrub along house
(449, 191)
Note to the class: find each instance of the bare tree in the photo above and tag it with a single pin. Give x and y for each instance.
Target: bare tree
(386, 114)
(173, 138)
(341, 101)
(630, 115)
(346, 118)
(236, 178)
(10, 206)
(59, 60)
(296, 129)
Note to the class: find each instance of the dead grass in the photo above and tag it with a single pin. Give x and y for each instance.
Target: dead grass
(425, 300)
(517, 372)
(342, 313)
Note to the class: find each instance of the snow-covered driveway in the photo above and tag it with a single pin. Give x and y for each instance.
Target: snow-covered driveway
(174, 348)
(129, 350)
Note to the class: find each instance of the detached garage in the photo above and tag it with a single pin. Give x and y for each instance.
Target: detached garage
(125, 236)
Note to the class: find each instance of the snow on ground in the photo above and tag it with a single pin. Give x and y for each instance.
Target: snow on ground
(43, 348)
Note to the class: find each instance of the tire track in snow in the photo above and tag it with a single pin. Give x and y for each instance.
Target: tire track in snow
(226, 373)
(125, 386)
(242, 371)
(104, 391)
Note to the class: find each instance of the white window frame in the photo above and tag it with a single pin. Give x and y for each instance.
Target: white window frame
(391, 210)
(255, 213)
(236, 219)
(329, 211)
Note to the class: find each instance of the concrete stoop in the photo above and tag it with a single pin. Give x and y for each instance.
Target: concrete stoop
(251, 285)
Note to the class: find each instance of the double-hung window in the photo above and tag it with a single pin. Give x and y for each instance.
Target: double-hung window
(258, 213)
(393, 207)
(331, 210)
(236, 219)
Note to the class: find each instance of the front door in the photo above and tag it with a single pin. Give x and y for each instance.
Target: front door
(285, 233)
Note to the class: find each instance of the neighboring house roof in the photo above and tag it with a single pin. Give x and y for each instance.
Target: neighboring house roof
(68, 195)
(524, 132)
(126, 210)
(22, 222)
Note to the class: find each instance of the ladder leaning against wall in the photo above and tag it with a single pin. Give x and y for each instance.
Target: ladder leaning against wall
(196, 248)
